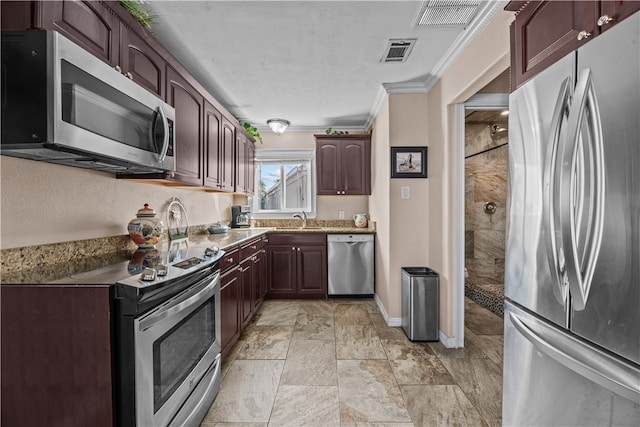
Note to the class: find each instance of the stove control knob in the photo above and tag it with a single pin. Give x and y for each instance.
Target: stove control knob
(211, 251)
(148, 275)
(162, 270)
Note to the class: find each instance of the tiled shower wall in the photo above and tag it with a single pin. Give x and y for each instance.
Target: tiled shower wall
(486, 162)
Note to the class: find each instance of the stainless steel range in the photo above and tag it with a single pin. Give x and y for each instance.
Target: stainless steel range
(168, 335)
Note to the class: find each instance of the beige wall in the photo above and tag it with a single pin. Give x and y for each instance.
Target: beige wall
(379, 205)
(484, 59)
(420, 231)
(45, 203)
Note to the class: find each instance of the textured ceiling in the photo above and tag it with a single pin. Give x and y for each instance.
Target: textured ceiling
(314, 63)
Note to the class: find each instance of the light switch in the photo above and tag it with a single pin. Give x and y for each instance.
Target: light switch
(404, 192)
(340, 214)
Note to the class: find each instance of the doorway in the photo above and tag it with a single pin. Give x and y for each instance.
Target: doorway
(485, 179)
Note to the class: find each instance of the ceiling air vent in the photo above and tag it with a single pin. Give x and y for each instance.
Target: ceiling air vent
(448, 13)
(398, 50)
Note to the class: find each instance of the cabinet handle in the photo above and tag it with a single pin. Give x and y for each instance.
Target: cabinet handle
(298, 249)
(338, 192)
(129, 75)
(253, 247)
(117, 68)
(293, 249)
(604, 20)
(583, 35)
(343, 192)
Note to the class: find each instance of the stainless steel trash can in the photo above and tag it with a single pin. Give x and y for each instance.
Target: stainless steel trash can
(420, 303)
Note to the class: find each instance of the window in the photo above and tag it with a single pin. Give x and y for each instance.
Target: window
(285, 183)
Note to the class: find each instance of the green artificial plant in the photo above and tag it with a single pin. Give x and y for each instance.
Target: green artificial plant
(136, 9)
(251, 130)
(332, 131)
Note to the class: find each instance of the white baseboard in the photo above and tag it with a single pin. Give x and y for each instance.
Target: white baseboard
(449, 342)
(391, 321)
(397, 321)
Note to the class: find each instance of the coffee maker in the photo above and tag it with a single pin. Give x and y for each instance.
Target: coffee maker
(240, 216)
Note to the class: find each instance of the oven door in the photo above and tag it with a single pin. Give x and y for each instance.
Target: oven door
(177, 345)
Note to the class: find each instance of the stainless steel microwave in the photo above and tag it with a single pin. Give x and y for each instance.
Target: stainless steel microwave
(60, 104)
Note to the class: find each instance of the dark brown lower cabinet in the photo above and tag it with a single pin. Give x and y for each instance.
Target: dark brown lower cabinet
(229, 308)
(70, 326)
(246, 291)
(297, 265)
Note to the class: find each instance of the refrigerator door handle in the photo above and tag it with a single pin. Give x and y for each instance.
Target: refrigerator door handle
(599, 367)
(582, 187)
(555, 255)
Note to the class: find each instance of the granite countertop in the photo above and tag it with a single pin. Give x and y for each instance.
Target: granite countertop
(103, 268)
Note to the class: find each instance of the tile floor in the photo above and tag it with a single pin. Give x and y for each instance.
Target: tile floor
(336, 363)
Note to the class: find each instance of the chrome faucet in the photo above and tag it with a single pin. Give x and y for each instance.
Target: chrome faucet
(303, 217)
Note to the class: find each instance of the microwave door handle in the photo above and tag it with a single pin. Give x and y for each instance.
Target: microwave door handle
(583, 188)
(165, 142)
(555, 256)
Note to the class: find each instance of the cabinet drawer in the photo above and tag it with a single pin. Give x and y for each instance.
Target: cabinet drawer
(297, 238)
(251, 248)
(229, 260)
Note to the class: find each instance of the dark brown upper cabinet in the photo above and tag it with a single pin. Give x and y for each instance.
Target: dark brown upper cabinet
(227, 158)
(245, 161)
(88, 23)
(96, 28)
(141, 63)
(189, 147)
(545, 31)
(212, 146)
(343, 164)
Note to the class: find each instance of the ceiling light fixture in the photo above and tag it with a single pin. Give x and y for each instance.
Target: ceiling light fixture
(278, 125)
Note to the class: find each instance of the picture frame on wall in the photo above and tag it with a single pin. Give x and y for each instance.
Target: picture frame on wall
(408, 162)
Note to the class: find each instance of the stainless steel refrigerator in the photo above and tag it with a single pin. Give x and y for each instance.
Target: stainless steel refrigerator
(572, 268)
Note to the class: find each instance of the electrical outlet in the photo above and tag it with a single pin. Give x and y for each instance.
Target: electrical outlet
(340, 214)
(404, 192)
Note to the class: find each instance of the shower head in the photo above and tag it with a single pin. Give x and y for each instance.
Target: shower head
(498, 131)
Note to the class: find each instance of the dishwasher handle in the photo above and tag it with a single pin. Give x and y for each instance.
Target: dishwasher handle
(349, 238)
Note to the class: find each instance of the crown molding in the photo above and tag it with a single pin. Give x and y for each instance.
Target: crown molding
(405, 87)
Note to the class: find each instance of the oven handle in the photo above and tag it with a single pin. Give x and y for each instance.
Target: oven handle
(201, 291)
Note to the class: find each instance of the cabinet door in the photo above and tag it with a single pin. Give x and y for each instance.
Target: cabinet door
(241, 163)
(356, 167)
(87, 23)
(544, 32)
(246, 291)
(281, 270)
(250, 168)
(329, 160)
(312, 271)
(140, 62)
(57, 367)
(264, 274)
(615, 11)
(227, 156)
(229, 309)
(257, 279)
(212, 146)
(188, 128)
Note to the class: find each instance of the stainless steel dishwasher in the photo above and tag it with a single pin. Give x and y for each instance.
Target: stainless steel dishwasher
(351, 264)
